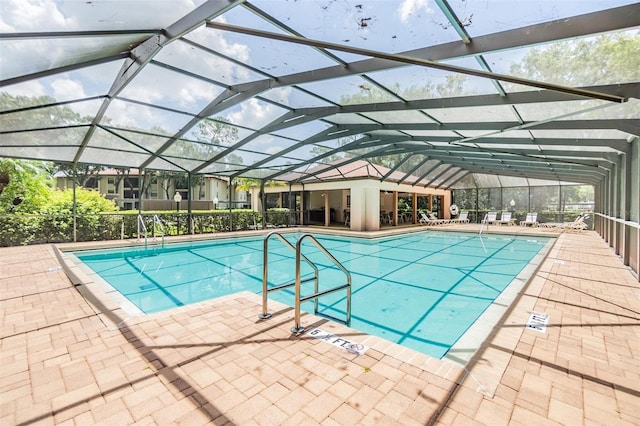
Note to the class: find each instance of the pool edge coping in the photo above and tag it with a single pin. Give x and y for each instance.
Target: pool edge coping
(485, 377)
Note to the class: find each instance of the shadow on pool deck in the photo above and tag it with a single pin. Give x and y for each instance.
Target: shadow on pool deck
(66, 357)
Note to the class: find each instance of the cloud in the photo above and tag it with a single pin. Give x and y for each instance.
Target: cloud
(410, 7)
(273, 150)
(280, 94)
(254, 114)
(64, 88)
(157, 85)
(215, 38)
(52, 15)
(213, 65)
(33, 15)
(127, 115)
(28, 88)
(194, 91)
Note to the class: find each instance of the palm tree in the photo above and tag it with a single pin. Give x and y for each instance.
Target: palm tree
(245, 184)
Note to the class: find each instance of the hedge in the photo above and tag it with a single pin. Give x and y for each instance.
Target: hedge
(16, 229)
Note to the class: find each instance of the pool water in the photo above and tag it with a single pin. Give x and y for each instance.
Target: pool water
(422, 290)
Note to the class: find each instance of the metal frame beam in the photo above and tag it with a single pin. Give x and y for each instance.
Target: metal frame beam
(340, 164)
(629, 90)
(417, 61)
(456, 178)
(434, 178)
(566, 28)
(414, 168)
(620, 145)
(617, 124)
(396, 167)
(329, 153)
(528, 170)
(64, 68)
(425, 174)
(141, 55)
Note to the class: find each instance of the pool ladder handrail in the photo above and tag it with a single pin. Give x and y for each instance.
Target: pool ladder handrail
(265, 271)
(298, 281)
(484, 221)
(157, 225)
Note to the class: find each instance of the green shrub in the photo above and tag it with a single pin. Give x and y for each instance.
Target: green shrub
(58, 223)
(278, 217)
(18, 230)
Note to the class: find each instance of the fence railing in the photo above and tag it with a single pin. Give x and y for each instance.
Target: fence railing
(476, 216)
(38, 229)
(623, 237)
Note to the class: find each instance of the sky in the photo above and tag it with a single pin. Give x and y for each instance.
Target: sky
(382, 25)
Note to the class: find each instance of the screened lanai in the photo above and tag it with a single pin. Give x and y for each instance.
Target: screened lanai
(529, 93)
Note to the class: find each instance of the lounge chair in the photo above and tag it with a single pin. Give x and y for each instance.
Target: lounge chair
(505, 218)
(433, 216)
(431, 220)
(531, 219)
(577, 225)
(463, 218)
(490, 217)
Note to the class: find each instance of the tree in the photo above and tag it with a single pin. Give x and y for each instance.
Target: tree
(53, 116)
(121, 173)
(453, 85)
(576, 194)
(87, 202)
(165, 179)
(80, 173)
(245, 184)
(214, 136)
(28, 186)
(320, 150)
(584, 62)
(182, 181)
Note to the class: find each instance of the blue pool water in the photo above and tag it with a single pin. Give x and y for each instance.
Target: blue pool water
(422, 290)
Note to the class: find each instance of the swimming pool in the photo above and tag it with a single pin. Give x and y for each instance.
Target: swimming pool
(422, 290)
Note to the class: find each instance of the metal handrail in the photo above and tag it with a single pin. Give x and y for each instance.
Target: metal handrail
(265, 271)
(158, 222)
(484, 221)
(298, 281)
(157, 225)
(299, 299)
(144, 228)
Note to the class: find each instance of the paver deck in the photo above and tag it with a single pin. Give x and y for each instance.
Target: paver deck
(67, 358)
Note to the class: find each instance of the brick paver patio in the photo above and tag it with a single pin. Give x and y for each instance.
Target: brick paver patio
(67, 359)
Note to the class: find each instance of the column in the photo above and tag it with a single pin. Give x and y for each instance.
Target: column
(327, 212)
(372, 209)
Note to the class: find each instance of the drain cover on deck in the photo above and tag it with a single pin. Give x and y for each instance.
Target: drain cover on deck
(538, 321)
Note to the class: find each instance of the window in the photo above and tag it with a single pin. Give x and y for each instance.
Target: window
(111, 185)
(131, 187)
(153, 187)
(91, 183)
